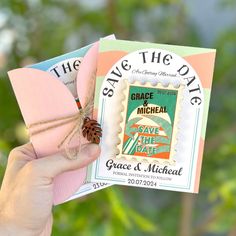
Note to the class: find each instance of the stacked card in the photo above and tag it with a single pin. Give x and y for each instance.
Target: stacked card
(151, 101)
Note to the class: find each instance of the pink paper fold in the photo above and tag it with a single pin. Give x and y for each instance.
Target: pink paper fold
(42, 97)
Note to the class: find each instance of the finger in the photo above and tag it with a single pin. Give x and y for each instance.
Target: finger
(54, 165)
(22, 154)
(18, 157)
(48, 227)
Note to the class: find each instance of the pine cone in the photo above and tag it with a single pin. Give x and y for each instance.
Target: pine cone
(91, 130)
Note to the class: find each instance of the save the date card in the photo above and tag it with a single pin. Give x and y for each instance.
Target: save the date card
(152, 102)
(50, 94)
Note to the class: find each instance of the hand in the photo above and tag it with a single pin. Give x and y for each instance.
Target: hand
(26, 195)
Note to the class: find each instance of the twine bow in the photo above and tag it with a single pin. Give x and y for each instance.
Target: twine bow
(77, 118)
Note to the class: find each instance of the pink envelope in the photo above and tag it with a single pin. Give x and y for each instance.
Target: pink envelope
(43, 97)
(87, 72)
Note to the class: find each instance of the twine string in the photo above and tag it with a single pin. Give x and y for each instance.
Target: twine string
(77, 118)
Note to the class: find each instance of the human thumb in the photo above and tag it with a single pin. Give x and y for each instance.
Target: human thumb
(53, 165)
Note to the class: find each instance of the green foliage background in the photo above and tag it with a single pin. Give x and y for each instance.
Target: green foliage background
(45, 28)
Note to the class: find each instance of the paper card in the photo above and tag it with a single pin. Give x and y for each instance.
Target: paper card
(65, 68)
(148, 129)
(152, 102)
(46, 91)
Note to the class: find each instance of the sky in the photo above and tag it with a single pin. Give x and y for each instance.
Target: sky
(209, 18)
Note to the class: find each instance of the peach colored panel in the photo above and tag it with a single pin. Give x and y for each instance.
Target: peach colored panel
(203, 64)
(110, 58)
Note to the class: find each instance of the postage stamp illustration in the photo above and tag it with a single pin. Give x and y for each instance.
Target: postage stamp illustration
(149, 124)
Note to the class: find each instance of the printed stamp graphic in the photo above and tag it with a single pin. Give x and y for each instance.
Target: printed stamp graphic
(150, 122)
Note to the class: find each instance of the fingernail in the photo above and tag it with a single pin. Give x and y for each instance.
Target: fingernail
(93, 150)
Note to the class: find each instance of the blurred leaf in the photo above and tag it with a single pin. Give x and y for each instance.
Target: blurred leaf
(118, 207)
(142, 223)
